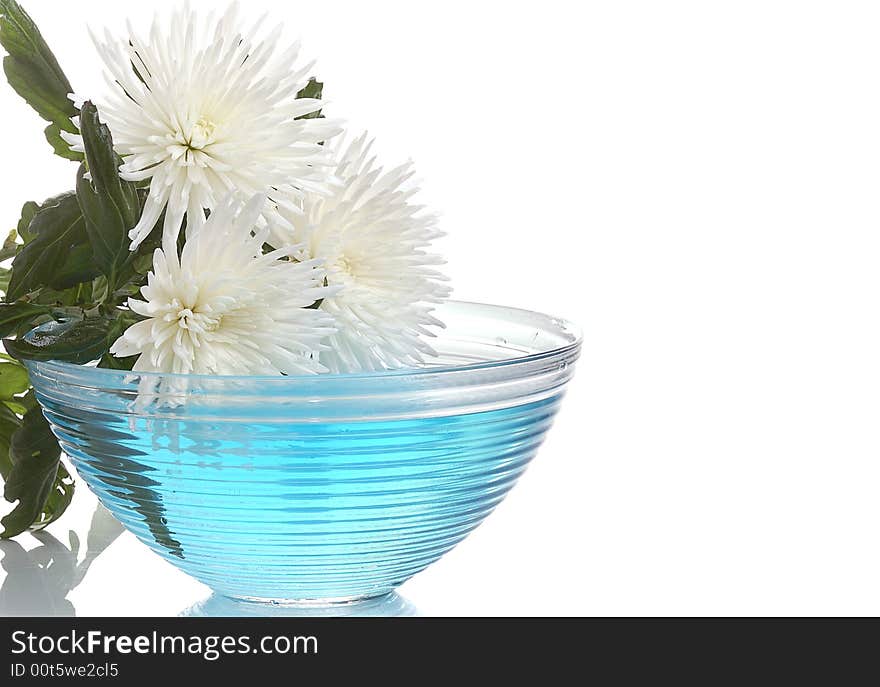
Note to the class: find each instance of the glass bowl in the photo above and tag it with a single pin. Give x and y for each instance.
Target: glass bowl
(323, 488)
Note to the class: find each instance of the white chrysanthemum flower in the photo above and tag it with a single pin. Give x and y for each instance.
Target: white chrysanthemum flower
(374, 244)
(225, 307)
(204, 108)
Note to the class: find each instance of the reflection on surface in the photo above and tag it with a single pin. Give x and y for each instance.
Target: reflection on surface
(38, 581)
(390, 605)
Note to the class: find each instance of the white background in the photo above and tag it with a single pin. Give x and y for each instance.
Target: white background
(696, 185)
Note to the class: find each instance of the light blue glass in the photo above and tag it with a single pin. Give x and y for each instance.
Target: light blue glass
(387, 606)
(317, 488)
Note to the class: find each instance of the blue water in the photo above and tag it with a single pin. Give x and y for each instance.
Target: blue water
(300, 510)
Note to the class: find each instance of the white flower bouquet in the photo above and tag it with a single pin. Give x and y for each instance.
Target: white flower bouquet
(219, 224)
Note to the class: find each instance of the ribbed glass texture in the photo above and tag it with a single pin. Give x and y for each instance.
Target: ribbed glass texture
(317, 488)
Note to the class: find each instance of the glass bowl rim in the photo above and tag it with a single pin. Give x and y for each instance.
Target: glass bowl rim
(560, 325)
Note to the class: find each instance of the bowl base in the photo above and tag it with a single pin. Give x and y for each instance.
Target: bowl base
(390, 604)
(310, 603)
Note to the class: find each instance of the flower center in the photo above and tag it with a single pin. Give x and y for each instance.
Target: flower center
(202, 133)
(344, 268)
(196, 322)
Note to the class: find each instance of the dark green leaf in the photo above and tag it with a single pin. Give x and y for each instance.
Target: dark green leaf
(78, 267)
(9, 422)
(48, 296)
(73, 341)
(60, 146)
(108, 237)
(313, 89)
(29, 400)
(35, 455)
(13, 314)
(33, 71)
(111, 362)
(109, 205)
(131, 276)
(57, 228)
(104, 165)
(59, 499)
(28, 211)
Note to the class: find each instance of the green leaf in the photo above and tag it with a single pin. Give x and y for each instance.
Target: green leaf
(13, 314)
(13, 380)
(313, 89)
(111, 362)
(105, 228)
(104, 165)
(34, 73)
(28, 211)
(73, 341)
(15, 406)
(35, 455)
(9, 422)
(28, 401)
(60, 496)
(57, 229)
(10, 246)
(109, 205)
(77, 268)
(59, 145)
(132, 275)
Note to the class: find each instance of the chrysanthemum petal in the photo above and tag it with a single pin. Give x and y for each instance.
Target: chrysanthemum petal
(205, 107)
(222, 308)
(375, 245)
